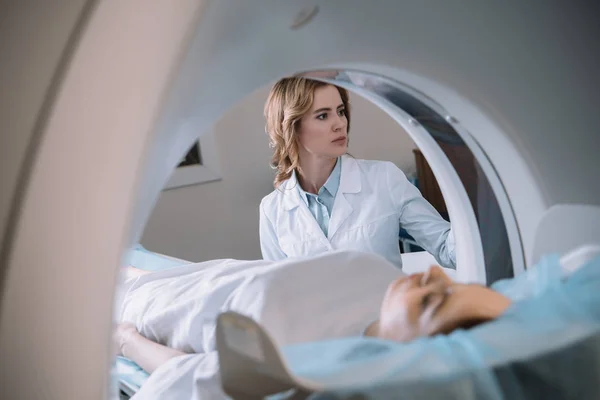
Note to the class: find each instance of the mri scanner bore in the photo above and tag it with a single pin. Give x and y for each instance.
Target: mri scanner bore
(326, 200)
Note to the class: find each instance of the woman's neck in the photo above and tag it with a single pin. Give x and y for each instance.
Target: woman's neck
(315, 171)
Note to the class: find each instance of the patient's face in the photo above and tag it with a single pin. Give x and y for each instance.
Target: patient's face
(429, 303)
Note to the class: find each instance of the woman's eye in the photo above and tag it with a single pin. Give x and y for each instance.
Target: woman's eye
(342, 112)
(322, 116)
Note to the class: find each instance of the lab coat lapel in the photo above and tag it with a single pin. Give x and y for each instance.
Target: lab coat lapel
(292, 200)
(349, 183)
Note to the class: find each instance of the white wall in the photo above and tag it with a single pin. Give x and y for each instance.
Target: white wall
(220, 219)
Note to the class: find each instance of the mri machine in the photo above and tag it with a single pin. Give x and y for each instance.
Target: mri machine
(102, 98)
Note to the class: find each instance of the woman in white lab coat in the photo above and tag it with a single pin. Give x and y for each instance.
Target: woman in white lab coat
(326, 200)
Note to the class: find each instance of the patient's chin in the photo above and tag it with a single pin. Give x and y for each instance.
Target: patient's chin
(466, 323)
(472, 323)
(463, 318)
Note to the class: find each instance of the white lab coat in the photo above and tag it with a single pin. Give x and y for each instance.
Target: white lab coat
(373, 200)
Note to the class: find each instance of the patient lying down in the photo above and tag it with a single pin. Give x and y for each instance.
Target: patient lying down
(171, 313)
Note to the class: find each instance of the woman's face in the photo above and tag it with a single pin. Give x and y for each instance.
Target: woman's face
(430, 303)
(323, 129)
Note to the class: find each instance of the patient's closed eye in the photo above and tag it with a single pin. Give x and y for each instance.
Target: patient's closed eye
(434, 296)
(425, 301)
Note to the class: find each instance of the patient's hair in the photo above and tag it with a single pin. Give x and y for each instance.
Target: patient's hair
(288, 101)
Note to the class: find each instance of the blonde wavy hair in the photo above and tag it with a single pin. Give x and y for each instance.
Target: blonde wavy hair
(289, 100)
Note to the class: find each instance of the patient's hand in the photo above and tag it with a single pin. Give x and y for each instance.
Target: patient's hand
(123, 334)
(431, 303)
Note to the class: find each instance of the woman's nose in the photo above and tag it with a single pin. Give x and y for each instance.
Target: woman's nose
(339, 123)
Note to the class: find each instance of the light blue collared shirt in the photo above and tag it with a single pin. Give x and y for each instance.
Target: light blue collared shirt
(321, 204)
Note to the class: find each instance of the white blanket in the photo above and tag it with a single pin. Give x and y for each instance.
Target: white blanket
(297, 300)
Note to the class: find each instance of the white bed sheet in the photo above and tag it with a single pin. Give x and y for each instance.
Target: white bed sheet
(332, 295)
